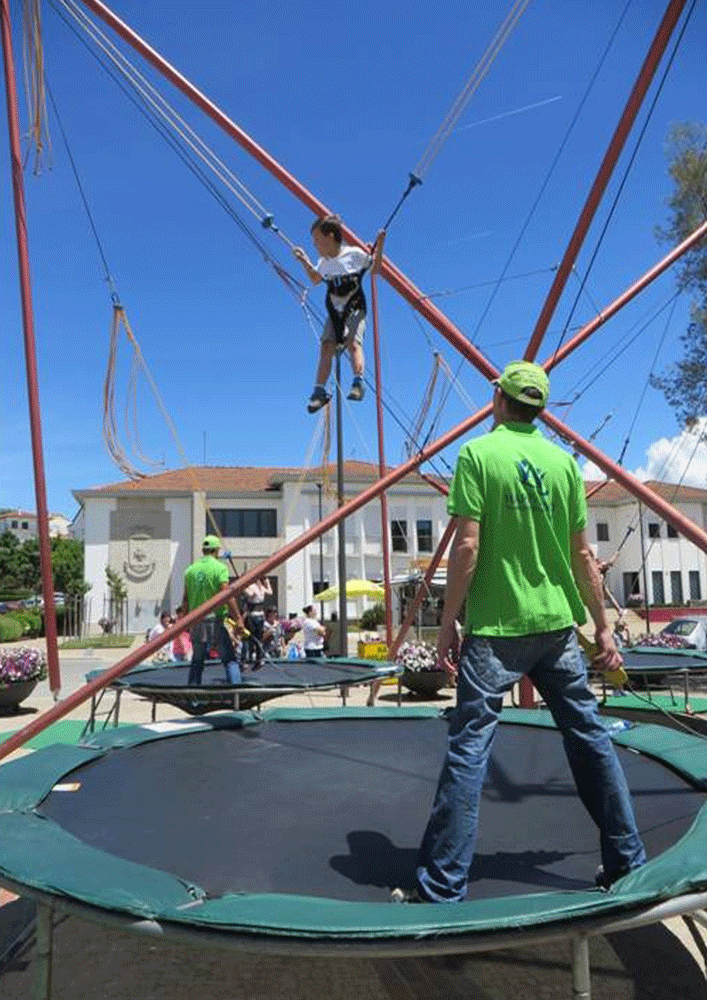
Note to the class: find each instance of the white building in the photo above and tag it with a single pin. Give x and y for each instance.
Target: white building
(652, 558)
(149, 531)
(23, 524)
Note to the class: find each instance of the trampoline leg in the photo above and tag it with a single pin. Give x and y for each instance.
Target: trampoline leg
(343, 691)
(43, 952)
(581, 985)
(116, 708)
(154, 710)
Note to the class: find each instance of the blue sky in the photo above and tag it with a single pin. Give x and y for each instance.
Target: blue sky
(347, 99)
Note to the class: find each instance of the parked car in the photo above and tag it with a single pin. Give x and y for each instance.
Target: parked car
(692, 630)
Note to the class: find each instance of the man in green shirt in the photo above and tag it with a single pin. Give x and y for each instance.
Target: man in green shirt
(521, 560)
(202, 580)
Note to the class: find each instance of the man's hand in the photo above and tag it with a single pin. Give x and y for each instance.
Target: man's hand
(448, 650)
(607, 657)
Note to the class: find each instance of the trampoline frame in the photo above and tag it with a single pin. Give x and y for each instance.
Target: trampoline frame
(383, 671)
(578, 934)
(411, 938)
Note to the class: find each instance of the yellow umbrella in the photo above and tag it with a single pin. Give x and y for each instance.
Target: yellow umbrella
(354, 589)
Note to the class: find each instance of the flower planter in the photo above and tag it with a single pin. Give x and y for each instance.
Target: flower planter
(14, 693)
(424, 681)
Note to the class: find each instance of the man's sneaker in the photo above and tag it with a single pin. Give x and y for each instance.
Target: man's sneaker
(319, 398)
(406, 896)
(357, 391)
(604, 881)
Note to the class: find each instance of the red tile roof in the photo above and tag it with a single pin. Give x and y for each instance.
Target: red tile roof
(234, 479)
(612, 494)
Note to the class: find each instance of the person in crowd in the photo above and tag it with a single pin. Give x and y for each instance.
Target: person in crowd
(254, 597)
(273, 634)
(342, 267)
(521, 558)
(203, 580)
(165, 653)
(181, 644)
(313, 633)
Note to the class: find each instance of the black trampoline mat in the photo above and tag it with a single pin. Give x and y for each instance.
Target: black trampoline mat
(272, 674)
(662, 659)
(337, 808)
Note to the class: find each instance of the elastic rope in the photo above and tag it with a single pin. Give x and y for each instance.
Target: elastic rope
(472, 84)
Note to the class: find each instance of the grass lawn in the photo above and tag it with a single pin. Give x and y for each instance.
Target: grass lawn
(99, 642)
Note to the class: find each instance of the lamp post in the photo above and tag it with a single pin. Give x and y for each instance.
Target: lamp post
(321, 555)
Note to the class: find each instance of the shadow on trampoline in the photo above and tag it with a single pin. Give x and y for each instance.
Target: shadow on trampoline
(375, 861)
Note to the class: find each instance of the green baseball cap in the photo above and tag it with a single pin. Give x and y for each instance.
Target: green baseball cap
(211, 543)
(526, 382)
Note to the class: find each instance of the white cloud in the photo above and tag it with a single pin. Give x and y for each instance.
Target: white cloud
(682, 459)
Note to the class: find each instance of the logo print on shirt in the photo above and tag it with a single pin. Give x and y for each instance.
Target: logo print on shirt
(532, 478)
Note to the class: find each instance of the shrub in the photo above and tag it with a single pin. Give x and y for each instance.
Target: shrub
(10, 629)
(373, 617)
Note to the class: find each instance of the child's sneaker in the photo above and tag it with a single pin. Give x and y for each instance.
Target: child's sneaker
(319, 398)
(357, 390)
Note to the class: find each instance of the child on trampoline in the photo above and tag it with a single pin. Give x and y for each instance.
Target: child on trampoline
(342, 267)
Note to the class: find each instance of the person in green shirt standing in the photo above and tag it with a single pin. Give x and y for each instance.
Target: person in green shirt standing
(202, 580)
(521, 560)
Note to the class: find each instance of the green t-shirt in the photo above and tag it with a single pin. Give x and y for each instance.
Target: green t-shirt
(202, 580)
(528, 497)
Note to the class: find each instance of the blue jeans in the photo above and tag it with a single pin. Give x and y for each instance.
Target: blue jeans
(206, 635)
(488, 667)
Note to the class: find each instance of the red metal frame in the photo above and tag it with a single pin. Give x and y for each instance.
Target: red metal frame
(40, 489)
(431, 313)
(618, 140)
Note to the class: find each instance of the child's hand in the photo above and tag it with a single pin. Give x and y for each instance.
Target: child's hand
(299, 253)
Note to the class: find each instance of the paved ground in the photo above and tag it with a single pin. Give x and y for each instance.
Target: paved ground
(663, 962)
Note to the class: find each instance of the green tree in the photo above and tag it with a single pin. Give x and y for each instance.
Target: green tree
(684, 384)
(67, 566)
(9, 569)
(28, 565)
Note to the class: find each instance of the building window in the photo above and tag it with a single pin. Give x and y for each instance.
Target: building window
(244, 523)
(602, 531)
(632, 588)
(653, 529)
(695, 589)
(319, 585)
(672, 532)
(13, 524)
(424, 536)
(676, 586)
(399, 533)
(25, 525)
(658, 587)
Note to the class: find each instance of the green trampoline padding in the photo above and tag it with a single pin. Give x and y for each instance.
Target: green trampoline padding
(38, 854)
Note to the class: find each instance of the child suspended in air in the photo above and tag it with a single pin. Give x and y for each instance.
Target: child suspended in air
(342, 267)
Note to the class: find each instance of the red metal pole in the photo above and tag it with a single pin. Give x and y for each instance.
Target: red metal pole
(626, 297)
(662, 37)
(381, 464)
(646, 495)
(145, 651)
(40, 490)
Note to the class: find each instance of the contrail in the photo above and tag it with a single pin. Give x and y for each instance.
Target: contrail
(507, 114)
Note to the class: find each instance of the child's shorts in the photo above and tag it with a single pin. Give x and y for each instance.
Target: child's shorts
(354, 328)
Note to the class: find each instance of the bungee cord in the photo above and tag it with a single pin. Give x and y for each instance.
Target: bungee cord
(434, 147)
